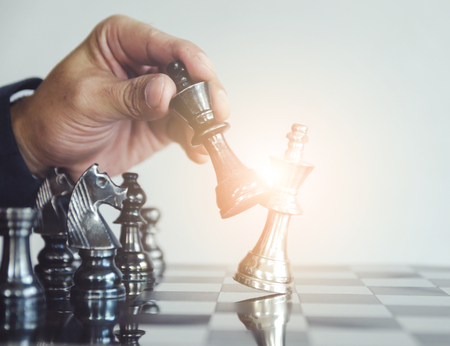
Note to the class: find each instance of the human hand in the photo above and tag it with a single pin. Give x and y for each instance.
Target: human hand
(108, 102)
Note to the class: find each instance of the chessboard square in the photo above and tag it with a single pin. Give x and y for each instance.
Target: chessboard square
(193, 266)
(327, 282)
(415, 300)
(321, 268)
(404, 282)
(422, 268)
(441, 282)
(381, 269)
(192, 279)
(187, 287)
(226, 307)
(233, 297)
(352, 322)
(183, 296)
(425, 324)
(225, 321)
(297, 323)
(408, 291)
(227, 338)
(237, 287)
(173, 335)
(405, 310)
(387, 275)
(186, 308)
(175, 319)
(433, 339)
(445, 289)
(435, 274)
(345, 310)
(338, 299)
(194, 272)
(229, 280)
(325, 275)
(296, 338)
(352, 337)
(333, 289)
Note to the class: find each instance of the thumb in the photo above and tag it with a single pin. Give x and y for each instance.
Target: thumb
(143, 98)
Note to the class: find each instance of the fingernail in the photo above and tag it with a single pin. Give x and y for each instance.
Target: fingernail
(205, 60)
(154, 91)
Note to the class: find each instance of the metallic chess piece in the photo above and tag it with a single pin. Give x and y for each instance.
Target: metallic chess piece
(134, 263)
(56, 262)
(149, 230)
(89, 233)
(239, 188)
(267, 266)
(17, 279)
(266, 317)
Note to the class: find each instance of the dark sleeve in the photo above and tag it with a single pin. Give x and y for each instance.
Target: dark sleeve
(18, 187)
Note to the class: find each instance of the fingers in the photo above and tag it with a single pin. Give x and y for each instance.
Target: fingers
(133, 44)
(143, 98)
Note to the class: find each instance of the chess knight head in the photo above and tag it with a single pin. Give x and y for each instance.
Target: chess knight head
(86, 226)
(53, 202)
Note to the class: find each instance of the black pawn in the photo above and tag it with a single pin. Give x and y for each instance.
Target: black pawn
(149, 230)
(134, 263)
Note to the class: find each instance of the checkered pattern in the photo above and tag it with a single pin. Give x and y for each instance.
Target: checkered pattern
(332, 305)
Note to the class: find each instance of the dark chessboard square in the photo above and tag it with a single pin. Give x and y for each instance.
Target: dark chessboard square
(230, 337)
(434, 311)
(225, 307)
(173, 319)
(240, 288)
(433, 339)
(297, 338)
(408, 291)
(338, 299)
(352, 322)
(329, 282)
(431, 268)
(192, 279)
(441, 282)
(387, 275)
(184, 296)
(185, 266)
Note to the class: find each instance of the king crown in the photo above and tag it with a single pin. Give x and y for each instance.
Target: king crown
(297, 139)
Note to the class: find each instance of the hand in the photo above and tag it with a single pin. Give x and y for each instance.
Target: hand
(108, 102)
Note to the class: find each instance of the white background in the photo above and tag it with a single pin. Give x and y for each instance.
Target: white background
(371, 79)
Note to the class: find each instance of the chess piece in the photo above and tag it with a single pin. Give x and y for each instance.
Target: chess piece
(56, 268)
(21, 295)
(97, 317)
(266, 317)
(89, 233)
(239, 188)
(129, 332)
(267, 266)
(134, 263)
(17, 279)
(149, 230)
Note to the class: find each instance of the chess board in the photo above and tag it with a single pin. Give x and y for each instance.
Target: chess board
(331, 305)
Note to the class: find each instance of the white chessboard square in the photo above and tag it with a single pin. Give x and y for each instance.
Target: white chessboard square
(185, 307)
(398, 282)
(229, 280)
(325, 275)
(332, 289)
(194, 272)
(414, 300)
(187, 287)
(445, 289)
(226, 321)
(352, 337)
(345, 310)
(435, 325)
(381, 269)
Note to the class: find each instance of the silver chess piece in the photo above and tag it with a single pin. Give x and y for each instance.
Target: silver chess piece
(266, 317)
(149, 230)
(267, 266)
(90, 233)
(238, 187)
